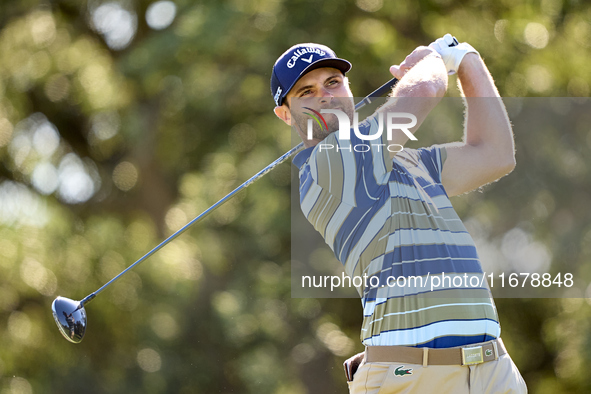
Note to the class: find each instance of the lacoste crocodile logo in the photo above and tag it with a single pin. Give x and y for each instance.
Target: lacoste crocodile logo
(401, 372)
(488, 352)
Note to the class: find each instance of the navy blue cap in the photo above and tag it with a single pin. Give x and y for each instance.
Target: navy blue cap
(297, 61)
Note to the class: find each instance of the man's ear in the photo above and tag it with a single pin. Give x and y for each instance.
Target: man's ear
(283, 113)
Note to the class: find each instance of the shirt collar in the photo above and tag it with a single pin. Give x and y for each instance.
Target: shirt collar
(302, 157)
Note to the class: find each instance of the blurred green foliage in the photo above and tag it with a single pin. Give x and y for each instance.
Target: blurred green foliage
(121, 121)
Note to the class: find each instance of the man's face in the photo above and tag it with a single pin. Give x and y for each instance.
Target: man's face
(322, 88)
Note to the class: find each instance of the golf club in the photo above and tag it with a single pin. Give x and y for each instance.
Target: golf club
(70, 315)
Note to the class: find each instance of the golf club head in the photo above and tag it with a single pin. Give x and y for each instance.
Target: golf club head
(69, 319)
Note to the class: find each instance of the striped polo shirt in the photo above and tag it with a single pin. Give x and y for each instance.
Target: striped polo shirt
(391, 219)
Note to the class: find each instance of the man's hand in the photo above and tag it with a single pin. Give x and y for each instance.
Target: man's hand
(411, 60)
(452, 55)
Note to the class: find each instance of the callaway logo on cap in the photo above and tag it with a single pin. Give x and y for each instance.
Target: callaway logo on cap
(297, 61)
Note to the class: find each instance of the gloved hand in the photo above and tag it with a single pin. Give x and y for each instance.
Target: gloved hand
(452, 54)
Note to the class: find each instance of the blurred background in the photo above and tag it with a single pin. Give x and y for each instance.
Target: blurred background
(120, 121)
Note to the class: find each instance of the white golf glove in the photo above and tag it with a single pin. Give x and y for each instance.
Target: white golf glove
(451, 52)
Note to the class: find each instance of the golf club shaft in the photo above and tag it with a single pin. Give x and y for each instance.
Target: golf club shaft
(382, 90)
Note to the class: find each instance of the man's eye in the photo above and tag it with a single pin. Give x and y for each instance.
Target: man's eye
(305, 93)
(333, 82)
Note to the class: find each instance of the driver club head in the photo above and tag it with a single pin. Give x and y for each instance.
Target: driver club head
(70, 318)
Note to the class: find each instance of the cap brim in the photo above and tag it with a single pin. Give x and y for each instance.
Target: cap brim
(335, 62)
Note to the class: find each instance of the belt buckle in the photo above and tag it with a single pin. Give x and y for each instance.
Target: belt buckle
(472, 355)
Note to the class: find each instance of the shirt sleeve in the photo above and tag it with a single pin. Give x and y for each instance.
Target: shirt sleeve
(433, 158)
(354, 170)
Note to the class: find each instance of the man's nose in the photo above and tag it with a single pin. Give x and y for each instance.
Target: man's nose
(325, 95)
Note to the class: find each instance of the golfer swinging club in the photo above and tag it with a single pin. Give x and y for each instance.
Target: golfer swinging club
(386, 213)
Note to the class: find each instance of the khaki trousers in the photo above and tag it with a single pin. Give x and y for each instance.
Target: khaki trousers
(493, 377)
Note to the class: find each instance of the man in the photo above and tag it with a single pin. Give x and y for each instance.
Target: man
(386, 213)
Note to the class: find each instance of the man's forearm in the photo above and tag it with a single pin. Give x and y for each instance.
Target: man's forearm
(487, 123)
(419, 90)
(428, 78)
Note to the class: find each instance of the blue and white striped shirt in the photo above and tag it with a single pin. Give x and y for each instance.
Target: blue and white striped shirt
(392, 218)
